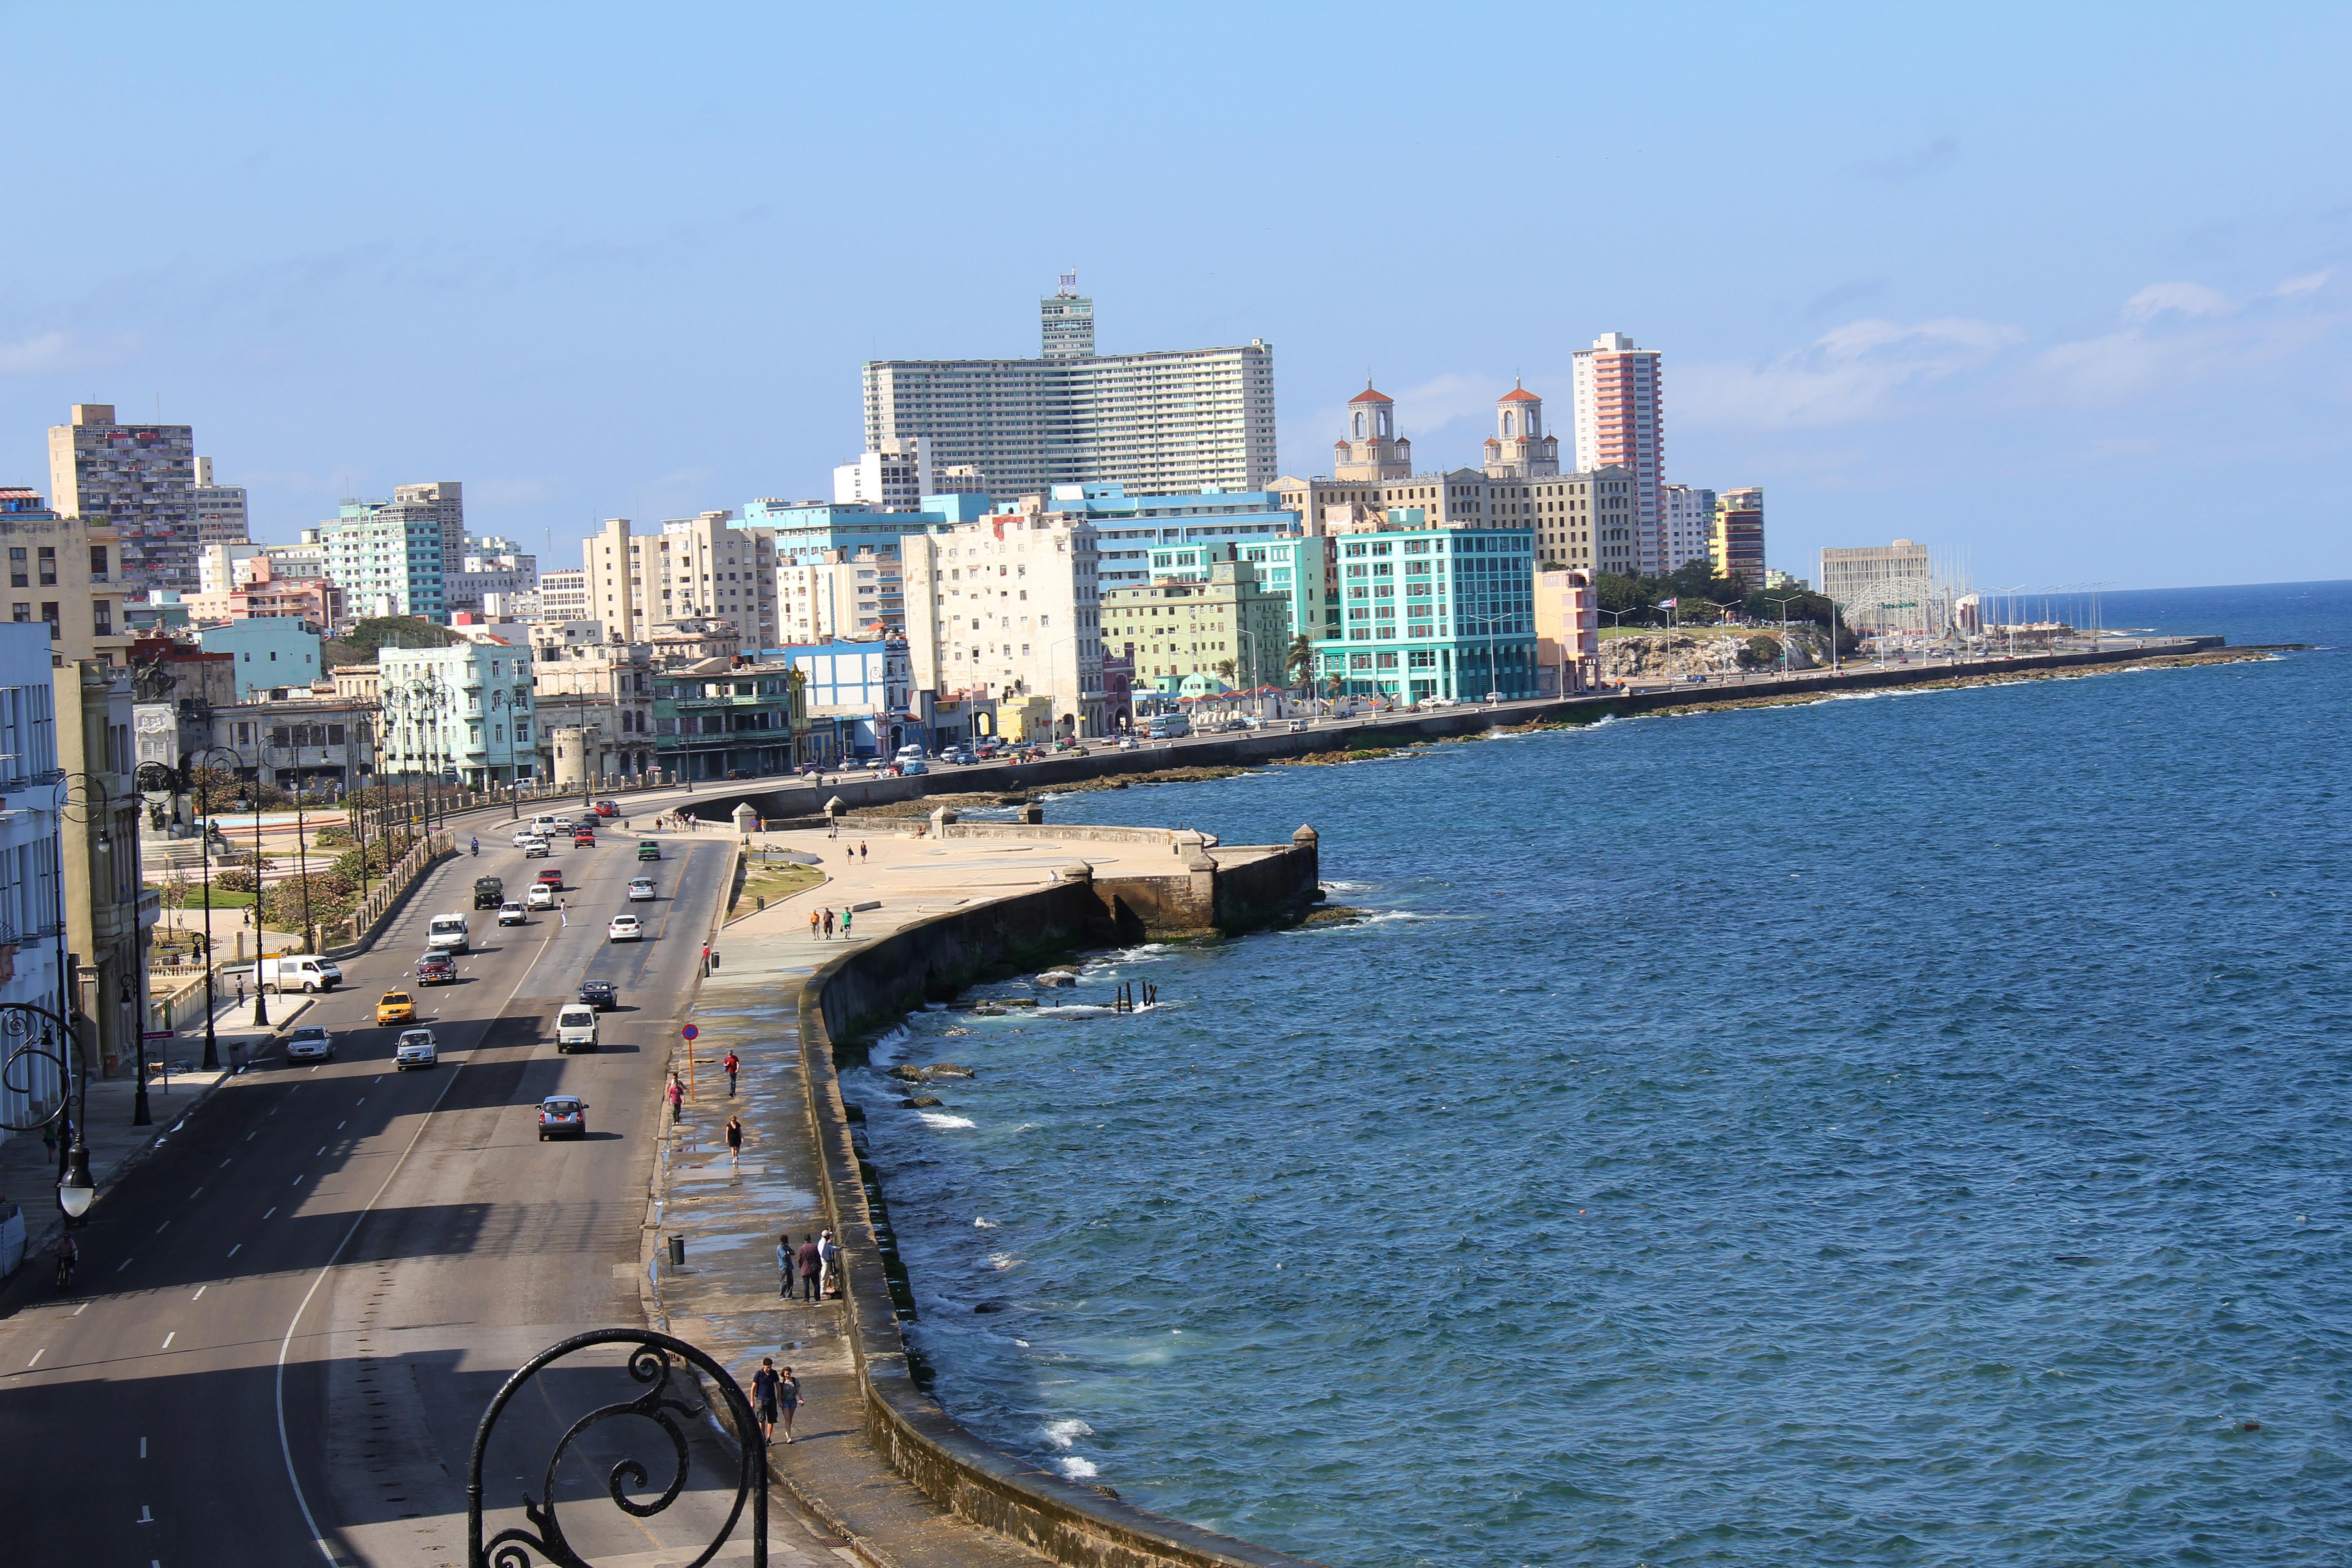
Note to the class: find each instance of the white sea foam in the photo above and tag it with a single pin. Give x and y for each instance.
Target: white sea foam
(979, 1223)
(1074, 1010)
(941, 1120)
(1001, 1261)
(1078, 1469)
(1064, 1433)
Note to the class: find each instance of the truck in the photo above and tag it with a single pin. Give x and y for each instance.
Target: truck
(490, 892)
(298, 972)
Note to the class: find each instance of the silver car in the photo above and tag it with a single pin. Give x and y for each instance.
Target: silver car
(306, 1042)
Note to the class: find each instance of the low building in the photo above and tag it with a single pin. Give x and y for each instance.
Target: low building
(359, 683)
(319, 745)
(861, 698)
(604, 687)
(1568, 633)
(1224, 627)
(1433, 612)
(729, 717)
(464, 711)
(274, 654)
(176, 687)
(259, 593)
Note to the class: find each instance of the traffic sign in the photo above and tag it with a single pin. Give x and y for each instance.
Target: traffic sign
(156, 1035)
(690, 1031)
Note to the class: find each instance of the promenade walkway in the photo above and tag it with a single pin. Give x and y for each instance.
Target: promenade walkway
(726, 1298)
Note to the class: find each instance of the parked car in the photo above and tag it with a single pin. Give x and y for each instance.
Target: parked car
(299, 972)
(601, 995)
(415, 1049)
(648, 850)
(394, 1007)
(541, 897)
(563, 1116)
(550, 877)
(308, 1040)
(513, 914)
(608, 808)
(641, 889)
(490, 892)
(436, 969)
(576, 1027)
(625, 928)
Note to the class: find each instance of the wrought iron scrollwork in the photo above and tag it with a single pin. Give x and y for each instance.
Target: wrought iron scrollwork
(651, 1362)
(27, 1031)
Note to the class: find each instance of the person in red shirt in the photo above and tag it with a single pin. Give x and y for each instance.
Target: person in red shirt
(733, 1064)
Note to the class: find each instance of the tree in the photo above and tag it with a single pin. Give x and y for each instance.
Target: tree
(1225, 669)
(361, 643)
(1300, 661)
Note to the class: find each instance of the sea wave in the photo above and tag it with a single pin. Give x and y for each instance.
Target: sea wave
(940, 1118)
(1078, 1469)
(1064, 1434)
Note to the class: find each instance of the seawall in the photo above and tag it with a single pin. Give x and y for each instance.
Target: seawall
(865, 988)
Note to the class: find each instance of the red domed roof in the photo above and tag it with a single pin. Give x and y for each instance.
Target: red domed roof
(1369, 395)
(1520, 394)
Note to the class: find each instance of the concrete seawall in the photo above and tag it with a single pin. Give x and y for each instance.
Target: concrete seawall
(873, 984)
(776, 799)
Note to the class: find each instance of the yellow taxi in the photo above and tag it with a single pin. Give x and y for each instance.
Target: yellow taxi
(396, 1007)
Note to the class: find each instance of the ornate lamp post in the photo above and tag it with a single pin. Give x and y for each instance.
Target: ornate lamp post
(205, 758)
(33, 1032)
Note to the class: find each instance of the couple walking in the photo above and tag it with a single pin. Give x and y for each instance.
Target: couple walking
(815, 1262)
(821, 922)
(774, 1395)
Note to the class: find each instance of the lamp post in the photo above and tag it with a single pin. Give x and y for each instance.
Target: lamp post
(301, 851)
(1784, 604)
(204, 844)
(97, 810)
(260, 945)
(29, 1030)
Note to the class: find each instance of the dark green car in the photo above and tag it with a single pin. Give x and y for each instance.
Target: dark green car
(490, 892)
(648, 850)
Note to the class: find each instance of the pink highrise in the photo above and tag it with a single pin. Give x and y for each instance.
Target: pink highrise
(1619, 422)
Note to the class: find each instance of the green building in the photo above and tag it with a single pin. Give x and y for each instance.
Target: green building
(1431, 612)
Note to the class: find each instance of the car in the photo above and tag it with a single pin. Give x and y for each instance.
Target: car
(436, 969)
(307, 1040)
(541, 897)
(641, 889)
(1434, 702)
(987, 749)
(576, 1027)
(625, 928)
(1493, 697)
(648, 850)
(563, 1116)
(448, 933)
(582, 838)
(415, 1049)
(909, 767)
(394, 1007)
(488, 892)
(960, 756)
(534, 848)
(601, 995)
(513, 914)
(607, 808)
(550, 877)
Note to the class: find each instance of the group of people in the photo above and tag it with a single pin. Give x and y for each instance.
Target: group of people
(814, 1263)
(678, 822)
(821, 922)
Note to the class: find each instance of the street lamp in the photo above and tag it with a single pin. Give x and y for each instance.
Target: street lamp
(1784, 604)
(204, 849)
(52, 1040)
(97, 810)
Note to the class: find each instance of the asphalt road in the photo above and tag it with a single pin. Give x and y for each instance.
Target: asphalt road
(288, 1319)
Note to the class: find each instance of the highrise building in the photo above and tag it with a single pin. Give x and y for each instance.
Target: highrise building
(1620, 424)
(387, 559)
(1158, 422)
(1738, 546)
(700, 567)
(221, 515)
(1067, 321)
(896, 477)
(1685, 525)
(1010, 608)
(139, 480)
(443, 503)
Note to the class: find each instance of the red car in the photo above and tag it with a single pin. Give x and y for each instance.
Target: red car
(583, 838)
(607, 808)
(551, 877)
(436, 969)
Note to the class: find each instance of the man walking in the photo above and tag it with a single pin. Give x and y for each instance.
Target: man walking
(815, 920)
(809, 1265)
(763, 1397)
(844, 923)
(829, 925)
(828, 1264)
(784, 1265)
(732, 1065)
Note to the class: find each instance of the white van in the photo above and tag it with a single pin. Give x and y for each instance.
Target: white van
(576, 1027)
(447, 933)
(547, 822)
(298, 972)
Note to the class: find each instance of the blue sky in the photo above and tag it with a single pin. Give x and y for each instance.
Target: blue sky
(2069, 288)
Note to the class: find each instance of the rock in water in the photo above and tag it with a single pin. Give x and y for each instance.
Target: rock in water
(1053, 978)
(920, 1101)
(949, 1069)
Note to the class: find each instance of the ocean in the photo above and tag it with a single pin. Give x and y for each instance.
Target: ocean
(1897, 1129)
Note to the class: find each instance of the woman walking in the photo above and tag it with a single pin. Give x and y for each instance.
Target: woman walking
(735, 1141)
(677, 1100)
(788, 1400)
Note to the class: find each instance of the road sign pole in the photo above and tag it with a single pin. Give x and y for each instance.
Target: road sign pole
(689, 1033)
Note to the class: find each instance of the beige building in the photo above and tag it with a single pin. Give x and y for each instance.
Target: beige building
(66, 572)
(695, 568)
(108, 912)
(1881, 588)
(1568, 633)
(602, 689)
(1009, 607)
(361, 683)
(842, 594)
(1230, 629)
(140, 479)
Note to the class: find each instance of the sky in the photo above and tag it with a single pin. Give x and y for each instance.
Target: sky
(2066, 290)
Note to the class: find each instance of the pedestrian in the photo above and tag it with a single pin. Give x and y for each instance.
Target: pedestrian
(812, 1267)
(706, 958)
(563, 914)
(763, 1397)
(735, 1141)
(788, 1399)
(844, 923)
(815, 919)
(733, 1066)
(677, 1100)
(68, 1254)
(828, 1264)
(861, 849)
(784, 1266)
(828, 925)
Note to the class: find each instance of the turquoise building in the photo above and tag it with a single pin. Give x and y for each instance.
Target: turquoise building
(805, 531)
(272, 653)
(1431, 612)
(1130, 529)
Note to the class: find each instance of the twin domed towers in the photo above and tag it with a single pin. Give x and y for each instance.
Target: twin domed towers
(1518, 450)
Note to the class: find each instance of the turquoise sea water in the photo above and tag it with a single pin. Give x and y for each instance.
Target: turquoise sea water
(1893, 1131)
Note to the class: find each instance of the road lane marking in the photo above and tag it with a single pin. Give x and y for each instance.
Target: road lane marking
(143, 1448)
(200, 1293)
(286, 1345)
(297, 1181)
(37, 1356)
(224, 1164)
(232, 1251)
(338, 1126)
(77, 1311)
(145, 1517)
(122, 1266)
(271, 1210)
(249, 1138)
(322, 1149)
(165, 1227)
(170, 1337)
(194, 1195)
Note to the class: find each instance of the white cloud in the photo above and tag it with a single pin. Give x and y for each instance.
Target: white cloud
(2307, 283)
(1853, 373)
(2178, 298)
(34, 355)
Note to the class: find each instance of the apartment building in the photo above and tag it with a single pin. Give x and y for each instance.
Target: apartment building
(66, 573)
(1685, 525)
(139, 481)
(31, 827)
(1009, 607)
(1737, 545)
(260, 592)
(1160, 423)
(222, 516)
(1199, 635)
(1433, 612)
(894, 477)
(1065, 322)
(695, 568)
(582, 683)
(110, 912)
(840, 595)
(1568, 633)
(464, 710)
(386, 559)
(1620, 423)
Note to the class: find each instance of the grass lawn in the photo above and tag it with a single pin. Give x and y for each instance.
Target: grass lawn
(223, 899)
(773, 882)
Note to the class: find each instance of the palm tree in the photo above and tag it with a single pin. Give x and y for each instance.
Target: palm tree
(1225, 670)
(1300, 661)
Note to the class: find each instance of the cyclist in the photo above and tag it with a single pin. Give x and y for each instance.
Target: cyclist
(475, 845)
(67, 1253)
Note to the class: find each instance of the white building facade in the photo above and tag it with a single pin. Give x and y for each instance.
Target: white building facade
(1685, 525)
(896, 478)
(695, 568)
(30, 902)
(1009, 608)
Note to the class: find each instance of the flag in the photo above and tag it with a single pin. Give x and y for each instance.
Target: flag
(1665, 604)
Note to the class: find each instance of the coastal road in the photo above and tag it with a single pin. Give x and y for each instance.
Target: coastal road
(288, 1319)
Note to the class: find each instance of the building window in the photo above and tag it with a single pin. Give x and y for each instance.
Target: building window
(17, 568)
(98, 562)
(23, 612)
(49, 561)
(102, 619)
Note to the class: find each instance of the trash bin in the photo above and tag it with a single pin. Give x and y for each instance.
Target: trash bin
(677, 1252)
